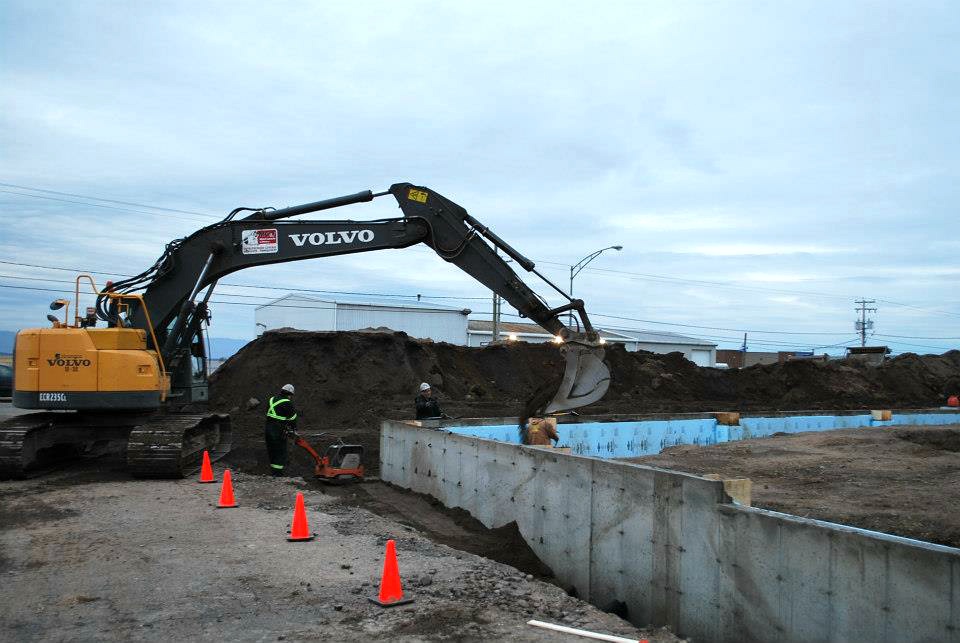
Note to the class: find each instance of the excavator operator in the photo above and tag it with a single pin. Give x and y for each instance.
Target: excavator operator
(281, 423)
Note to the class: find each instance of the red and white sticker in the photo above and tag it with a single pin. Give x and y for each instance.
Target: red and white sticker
(258, 242)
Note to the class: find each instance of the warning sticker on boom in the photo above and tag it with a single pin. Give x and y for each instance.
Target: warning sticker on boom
(417, 195)
(258, 242)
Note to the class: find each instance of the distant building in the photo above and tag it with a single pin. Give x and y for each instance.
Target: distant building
(698, 351)
(740, 359)
(417, 319)
(448, 324)
(869, 354)
(734, 358)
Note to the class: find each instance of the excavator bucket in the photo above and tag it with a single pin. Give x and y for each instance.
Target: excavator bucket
(585, 379)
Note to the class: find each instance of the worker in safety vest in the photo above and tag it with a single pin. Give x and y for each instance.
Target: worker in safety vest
(281, 423)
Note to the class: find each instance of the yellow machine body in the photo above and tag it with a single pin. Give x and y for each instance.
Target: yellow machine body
(86, 368)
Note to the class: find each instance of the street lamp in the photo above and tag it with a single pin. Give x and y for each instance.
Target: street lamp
(580, 265)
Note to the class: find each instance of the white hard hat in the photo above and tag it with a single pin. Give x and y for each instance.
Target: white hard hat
(288, 388)
(424, 387)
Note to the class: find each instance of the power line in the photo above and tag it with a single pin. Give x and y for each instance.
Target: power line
(628, 274)
(97, 198)
(939, 348)
(911, 336)
(768, 332)
(222, 301)
(99, 205)
(734, 286)
(235, 285)
(392, 295)
(485, 314)
(735, 330)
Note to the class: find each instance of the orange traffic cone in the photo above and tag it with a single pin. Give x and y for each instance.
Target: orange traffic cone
(299, 530)
(391, 593)
(206, 471)
(226, 492)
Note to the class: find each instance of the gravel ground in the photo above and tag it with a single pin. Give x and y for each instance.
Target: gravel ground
(90, 554)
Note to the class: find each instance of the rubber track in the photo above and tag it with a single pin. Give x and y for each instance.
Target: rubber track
(167, 445)
(13, 434)
(171, 445)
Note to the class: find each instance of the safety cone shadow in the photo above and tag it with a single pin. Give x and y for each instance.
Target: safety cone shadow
(206, 471)
(227, 501)
(391, 593)
(299, 531)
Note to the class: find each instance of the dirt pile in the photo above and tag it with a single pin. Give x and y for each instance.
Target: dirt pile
(347, 382)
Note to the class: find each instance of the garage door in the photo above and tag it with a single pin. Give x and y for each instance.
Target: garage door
(700, 357)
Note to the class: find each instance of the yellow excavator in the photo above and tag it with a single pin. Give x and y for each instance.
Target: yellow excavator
(131, 372)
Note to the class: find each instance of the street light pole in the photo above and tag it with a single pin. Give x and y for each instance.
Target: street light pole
(580, 265)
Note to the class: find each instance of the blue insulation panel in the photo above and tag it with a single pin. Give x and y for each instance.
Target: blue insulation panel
(649, 437)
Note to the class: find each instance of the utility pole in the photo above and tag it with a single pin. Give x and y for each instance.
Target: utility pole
(496, 318)
(496, 312)
(863, 323)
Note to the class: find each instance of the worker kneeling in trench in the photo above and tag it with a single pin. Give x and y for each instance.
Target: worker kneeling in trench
(539, 432)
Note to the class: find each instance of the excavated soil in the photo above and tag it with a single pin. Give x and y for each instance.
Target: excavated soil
(348, 382)
(903, 481)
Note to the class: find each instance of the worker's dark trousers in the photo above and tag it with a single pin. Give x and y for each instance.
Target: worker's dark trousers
(274, 434)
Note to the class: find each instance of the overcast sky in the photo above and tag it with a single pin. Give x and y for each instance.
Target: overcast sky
(762, 163)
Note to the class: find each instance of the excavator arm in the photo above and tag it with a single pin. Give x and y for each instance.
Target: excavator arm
(172, 287)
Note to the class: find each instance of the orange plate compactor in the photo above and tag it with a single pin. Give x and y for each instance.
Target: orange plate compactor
(340, 463)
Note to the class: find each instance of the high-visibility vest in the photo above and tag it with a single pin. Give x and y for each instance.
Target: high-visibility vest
(272, 413)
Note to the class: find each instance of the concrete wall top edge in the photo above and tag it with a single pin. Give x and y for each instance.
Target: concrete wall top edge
(839, 527)
(542, 454)
(635, 417)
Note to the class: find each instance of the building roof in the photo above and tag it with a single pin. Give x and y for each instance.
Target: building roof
(481, 326)
(614, 334)
(347, 300)
(662, 337)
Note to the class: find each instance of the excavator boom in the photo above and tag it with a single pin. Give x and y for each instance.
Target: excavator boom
(268, 236)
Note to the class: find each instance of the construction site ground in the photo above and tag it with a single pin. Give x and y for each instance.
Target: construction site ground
(897, 480)
(89, 553)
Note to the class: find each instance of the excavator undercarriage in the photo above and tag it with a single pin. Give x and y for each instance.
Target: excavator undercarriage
(155, 445)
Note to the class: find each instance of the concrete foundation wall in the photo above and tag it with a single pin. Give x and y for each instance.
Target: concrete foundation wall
(673, 549)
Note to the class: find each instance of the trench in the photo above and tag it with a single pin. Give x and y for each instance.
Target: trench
(454, 528)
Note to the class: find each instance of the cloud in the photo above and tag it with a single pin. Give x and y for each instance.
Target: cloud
(739, 154)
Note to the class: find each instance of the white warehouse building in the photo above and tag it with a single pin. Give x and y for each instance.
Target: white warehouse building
(698, 351)
(450, 324)
(415, 318)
